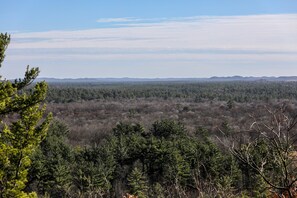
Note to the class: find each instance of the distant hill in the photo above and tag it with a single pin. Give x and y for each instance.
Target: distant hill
(251, 78)
(211, 79)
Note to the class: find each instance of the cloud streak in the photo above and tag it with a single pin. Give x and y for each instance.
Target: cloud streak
(117, 20)
(227, 39)
(266, 32)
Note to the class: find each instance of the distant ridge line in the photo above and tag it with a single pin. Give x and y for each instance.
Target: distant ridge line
(211, 79)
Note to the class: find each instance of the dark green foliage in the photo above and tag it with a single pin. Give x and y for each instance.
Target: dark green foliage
(163, 161)
(93, 171)
(225, 129)
(230, 104)
(168, 155)
(137, 183)
(127, 129)
(50, 172)
(230, 92)
(167, 129)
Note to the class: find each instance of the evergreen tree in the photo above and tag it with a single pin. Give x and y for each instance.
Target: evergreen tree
(50, 171)
(138, 183)
(22, 127)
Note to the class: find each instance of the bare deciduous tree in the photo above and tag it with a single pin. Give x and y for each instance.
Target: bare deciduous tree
(272, 152)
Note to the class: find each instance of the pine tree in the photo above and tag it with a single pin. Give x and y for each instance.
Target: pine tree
(21, 127)
(138, 183)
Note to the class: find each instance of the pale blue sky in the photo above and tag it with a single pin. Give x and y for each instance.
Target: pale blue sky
(133, 38)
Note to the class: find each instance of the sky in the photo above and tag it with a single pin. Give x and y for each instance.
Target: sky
(150, 39)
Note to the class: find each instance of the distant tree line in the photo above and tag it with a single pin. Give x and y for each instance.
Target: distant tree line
(203, 91)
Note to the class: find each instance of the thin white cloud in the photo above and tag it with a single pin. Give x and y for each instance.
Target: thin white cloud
(117, 20)
(256, 38)
(157, 56)
(127, 20)
(259, 32)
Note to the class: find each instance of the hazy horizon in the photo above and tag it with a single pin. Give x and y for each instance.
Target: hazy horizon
(169, 78)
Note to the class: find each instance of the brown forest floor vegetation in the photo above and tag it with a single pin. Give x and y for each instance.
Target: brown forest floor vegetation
(90, 121)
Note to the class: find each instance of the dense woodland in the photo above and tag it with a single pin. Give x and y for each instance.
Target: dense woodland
(174, 139)
(237, 91)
